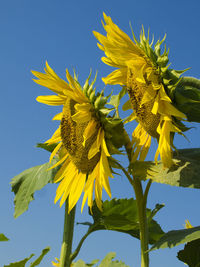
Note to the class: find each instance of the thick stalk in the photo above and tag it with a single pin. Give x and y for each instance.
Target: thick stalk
(142, 216)
(141, 200)
(66, 247)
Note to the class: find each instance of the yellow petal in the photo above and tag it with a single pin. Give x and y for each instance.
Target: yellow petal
(64, 186)
(95, 146)
(116, 77)
(61, 172)
(55, 151)
(81, 117)
(52, 100)
(58, 116)
(89, 130)
(88, 193)
(104, 148)
(59, 162)
(76, 190)
(166, 108)
(51, 80)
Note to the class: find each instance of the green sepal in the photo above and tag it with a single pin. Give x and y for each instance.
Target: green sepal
(177, 237)
(187, 99)
(105, 111)
(114, 130)
(47, 147)
(190, 255)
(25, 184)
(180, 125)
(86, 85)
(185, 172)
(112, 148)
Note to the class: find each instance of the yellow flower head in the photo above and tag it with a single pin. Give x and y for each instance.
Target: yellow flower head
(149, 83)
(80, 139)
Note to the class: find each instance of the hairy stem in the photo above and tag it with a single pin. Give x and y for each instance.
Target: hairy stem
(66, 248)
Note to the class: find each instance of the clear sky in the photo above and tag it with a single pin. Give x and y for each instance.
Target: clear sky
(61, 32)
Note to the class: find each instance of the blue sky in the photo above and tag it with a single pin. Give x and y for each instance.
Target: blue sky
(61, 33)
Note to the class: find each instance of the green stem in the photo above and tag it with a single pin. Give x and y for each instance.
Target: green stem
(66, 247)
(142, 216)
(141, 199)
(125, 172)
(147, 191)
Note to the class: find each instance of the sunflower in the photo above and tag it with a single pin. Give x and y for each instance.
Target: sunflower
(150, 85)
(80, 139)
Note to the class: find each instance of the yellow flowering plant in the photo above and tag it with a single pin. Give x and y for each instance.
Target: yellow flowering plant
(91, 132)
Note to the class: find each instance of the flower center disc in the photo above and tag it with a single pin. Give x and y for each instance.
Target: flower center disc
(72, 138)
(146, 118)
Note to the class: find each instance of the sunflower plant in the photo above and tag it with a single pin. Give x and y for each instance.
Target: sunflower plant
(93, 130)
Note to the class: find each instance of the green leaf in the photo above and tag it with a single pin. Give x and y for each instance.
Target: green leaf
(189, 153)
(115, 99)
(185, 172)
(21, 263)
(3, 237)
(177, 237)
(190, 254)
(81, 263)
(107, 261)
(39, 259)
(121, 215)
(47, 147)
(26, 183)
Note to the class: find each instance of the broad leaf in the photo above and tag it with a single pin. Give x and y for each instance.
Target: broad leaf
(185, 172)
(3, 237)
(177, 237)
(39, 259)
(81, 263)
(115, 99)
(26, 183)
(190, 254)
(21, 263)
(121, 215)
(106, 262)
